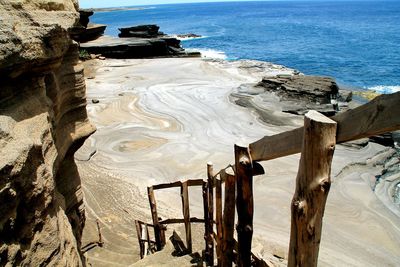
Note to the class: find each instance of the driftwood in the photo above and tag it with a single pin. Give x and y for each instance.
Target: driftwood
(379, 116)
(312, 186)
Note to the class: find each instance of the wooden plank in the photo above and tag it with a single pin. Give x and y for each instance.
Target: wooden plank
(210, 223)
(190, 182)
(186, 215)
(139, 235)
(229, 220)
(244, 204)
(167, 185)
(173, 221)
(195, 182)
(312, 186)
(154, 216)
(218, 218)
(379, 116)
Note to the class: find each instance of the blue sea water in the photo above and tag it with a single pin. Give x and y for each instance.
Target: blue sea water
(356, 42)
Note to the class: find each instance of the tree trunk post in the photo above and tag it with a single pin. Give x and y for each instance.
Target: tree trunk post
(210, 238)
(154, 216)
(244, 204)
(218, 216)
(186, 215)
(312, 186)
(228, 242)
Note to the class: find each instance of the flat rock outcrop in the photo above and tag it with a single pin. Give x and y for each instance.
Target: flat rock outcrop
(312, 89)
(43, 121)
(142, 41)
(141, 31)
(133, 47)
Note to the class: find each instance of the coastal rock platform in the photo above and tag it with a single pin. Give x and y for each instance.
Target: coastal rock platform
(161, 120)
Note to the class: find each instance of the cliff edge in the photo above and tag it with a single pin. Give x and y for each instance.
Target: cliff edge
(43, 121)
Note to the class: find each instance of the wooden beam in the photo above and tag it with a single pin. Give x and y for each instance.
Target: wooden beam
(190, 182)
(379, 116)
(228, 241)
(244, 204)
(312, 186)
(173, 221)
(186, 215)
(167, 185)
(157, 227)
(210, 222)
(195, 182)
(218, 218)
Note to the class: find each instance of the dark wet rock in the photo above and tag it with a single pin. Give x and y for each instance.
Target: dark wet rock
(386, 139)
(313, 89)
(136, 48)
(141, 31)
(188, 35)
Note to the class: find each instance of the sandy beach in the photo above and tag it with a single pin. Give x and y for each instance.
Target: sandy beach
(162, 120)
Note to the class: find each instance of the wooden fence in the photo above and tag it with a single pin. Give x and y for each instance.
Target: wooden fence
(316, 142)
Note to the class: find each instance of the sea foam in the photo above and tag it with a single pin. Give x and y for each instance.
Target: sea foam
(385, 89)
(210, 53)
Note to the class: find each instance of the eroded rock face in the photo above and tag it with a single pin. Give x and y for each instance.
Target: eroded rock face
(43, 121)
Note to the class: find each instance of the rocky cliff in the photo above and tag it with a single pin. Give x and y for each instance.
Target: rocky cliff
(43, 121)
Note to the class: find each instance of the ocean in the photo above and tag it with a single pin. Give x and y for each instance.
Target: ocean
(356, 42)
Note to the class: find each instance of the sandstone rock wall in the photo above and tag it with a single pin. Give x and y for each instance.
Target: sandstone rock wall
(43, 121)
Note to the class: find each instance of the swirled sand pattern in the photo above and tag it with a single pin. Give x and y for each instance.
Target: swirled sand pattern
(161, 120)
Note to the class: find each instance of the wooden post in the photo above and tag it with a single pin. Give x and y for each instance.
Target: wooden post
(139, 235)
(206, 230)
(244, 204)
(186, 215)
(210, 197)
(218, 216)
(312, 186)
(154, 216)
(228, 243)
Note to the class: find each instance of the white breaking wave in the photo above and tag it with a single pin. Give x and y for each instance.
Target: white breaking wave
(385, 89)
(210, 53)
(186, 38)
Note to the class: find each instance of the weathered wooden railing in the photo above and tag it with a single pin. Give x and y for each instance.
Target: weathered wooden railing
(316, 142)
(159, 225)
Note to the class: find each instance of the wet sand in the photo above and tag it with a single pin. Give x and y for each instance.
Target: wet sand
(162, 120)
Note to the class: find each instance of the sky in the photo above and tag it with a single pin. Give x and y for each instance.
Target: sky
(117, 3)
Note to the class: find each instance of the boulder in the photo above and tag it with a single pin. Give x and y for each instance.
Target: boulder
(311, 89)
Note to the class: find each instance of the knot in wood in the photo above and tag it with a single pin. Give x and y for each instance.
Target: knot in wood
(244, 160)
(325, 185)
(248, 228)
(300, 207)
